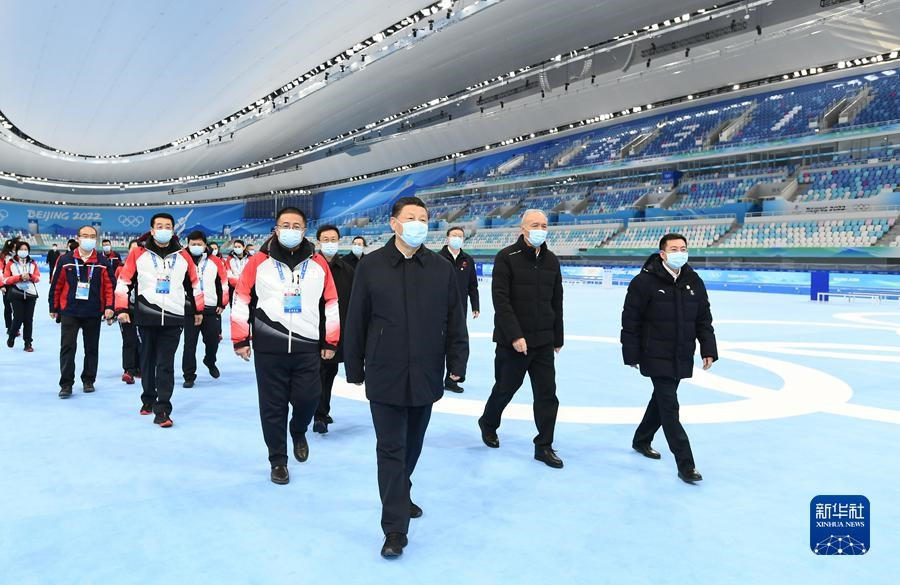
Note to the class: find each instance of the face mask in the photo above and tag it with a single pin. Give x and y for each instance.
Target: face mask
(22, 254)
(107, 249)
(252, 252)
(88, 244)
(195, 250)
(330, 248)
(456, 242)
(290, 238)
(54, 248)
(676, 260)
(357, 250)
(414, 233)
(238, 250)
(163, 236)
(537, 237)
(215, 251)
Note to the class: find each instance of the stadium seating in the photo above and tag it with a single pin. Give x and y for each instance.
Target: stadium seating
(646, 234)
(849, 182)
(810, 232)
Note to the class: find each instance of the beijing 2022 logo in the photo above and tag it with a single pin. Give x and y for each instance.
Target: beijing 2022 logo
(839, 525)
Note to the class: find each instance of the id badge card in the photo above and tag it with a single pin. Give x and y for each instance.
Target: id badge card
(292, 302)
(83, 291)
(163, 286)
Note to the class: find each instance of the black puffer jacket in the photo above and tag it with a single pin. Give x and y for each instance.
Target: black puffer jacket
(404, 322)
(528, 296)
(662, 320)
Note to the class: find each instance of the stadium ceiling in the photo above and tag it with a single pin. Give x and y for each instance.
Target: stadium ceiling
(105, 80)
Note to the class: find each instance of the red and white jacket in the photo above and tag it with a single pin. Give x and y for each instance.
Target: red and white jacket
(212, 277)
(12, 277)
(144, 269)
(261, 288)
(235, 266)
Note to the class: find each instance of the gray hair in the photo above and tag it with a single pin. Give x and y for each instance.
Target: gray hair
(527, 211)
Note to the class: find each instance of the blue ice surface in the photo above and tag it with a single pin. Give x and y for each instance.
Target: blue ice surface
(95, 493)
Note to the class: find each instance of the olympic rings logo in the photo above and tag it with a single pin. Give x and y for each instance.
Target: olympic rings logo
(3, 214)
(131, 220)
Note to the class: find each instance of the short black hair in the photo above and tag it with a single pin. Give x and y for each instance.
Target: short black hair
(360, 238)
(399, 204)
(290, 210)
(241, 242)
(106, 241)
(71, 241)
(455, 228)
(133, 242)
(327, 228)
(197, 235)
(162, 215)
(211, 244)
(21, 243)
(668, 237)
(251, 244)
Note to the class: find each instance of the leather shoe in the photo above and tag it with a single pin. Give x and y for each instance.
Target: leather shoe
(646, 451)
(690, 475)
(414, 510)
(489, 437)
(188, 384)
(280, 475)
(548, 456)
(394, 543)
(213, 370)
(88, 387)
(301, 449)
(65, 391)
(320, 426)
(453, 386)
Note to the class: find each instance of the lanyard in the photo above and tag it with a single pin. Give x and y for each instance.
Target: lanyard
(166, 267)
(302, 272)
(90, 268)
(202, 272)
(23, 267)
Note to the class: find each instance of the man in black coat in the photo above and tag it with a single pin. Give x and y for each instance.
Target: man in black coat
(357, 251)
(404, 323)
(528, 330)
(466, 278)
(52, 257)
(666, 311)
(329, 237)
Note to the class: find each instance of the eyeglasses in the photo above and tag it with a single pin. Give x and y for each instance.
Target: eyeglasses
(296, 226)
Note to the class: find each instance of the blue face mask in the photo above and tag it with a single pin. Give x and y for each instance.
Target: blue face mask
(163, 236)
(330, 248)
(22, 254)
(414, 233)
(537, 237)
(290, 239)
(357, 250)
(676, 260)
(88, 244)
(456, 242)
(195, 250)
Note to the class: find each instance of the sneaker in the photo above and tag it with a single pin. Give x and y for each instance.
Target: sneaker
(394, 543)
(213, 370)
(127, 378)
(146, 409)
(188, 383)
(162, 419)
(29, 349)
(10, 342)
(65, 391)
(88, 387)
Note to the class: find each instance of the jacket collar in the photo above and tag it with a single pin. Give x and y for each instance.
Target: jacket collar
(396, 256)
(524, 247)
(654, 266)
(445, 251)
(162, 251)
(277, 252)
(92, 259)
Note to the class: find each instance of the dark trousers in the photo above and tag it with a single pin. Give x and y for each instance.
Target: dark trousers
(158, 347)
(131, 348)
(286, 379)
(22, 316)
(7, 311)
(510, 368)
(327, 372)
(399, 433)
(662, 410)
(90, 334)
(210, 328)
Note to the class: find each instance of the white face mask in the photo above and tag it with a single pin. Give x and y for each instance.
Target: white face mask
(330, 248)
(237, 250)
(22, 254)
(357, 250)
(456, 242)
(107, 248)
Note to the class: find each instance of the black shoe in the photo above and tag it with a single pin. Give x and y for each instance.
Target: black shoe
(320, 426)
(548, 456)
(393, 545)
(453, 386)
(162, 419)
(329, 420)
(690, 475)
(414, 510)
(65, 391)
(88, 387)
(301, 449)
(11, 342)
(489, 437)
(280, 475)
(213, 370)
(646, 451)
(188, 383)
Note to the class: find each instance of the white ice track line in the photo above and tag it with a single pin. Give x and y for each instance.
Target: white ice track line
(805, 390)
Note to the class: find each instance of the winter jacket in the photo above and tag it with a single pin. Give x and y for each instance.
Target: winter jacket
(12, 277)
(466, 277)
(65, 296)
(342, 273)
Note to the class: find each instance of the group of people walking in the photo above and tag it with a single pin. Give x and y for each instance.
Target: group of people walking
(395, 317)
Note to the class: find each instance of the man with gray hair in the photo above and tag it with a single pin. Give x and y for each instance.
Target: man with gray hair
(528, 330)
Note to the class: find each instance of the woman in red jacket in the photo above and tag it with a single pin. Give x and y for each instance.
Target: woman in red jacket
(20, 275)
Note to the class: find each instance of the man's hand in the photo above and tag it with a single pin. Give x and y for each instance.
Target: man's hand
(707, 363)
(557, 349)
(455, 378)
(53, 316)
(198, 318)
(243, 352)
(124, 318)
(475, 314)
(109, 316)
(520, 346)
(219, 310)
(26, 277)
(327, 354)
(635, 366)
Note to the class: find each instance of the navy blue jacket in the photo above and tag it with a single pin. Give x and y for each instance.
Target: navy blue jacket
(70, 270)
